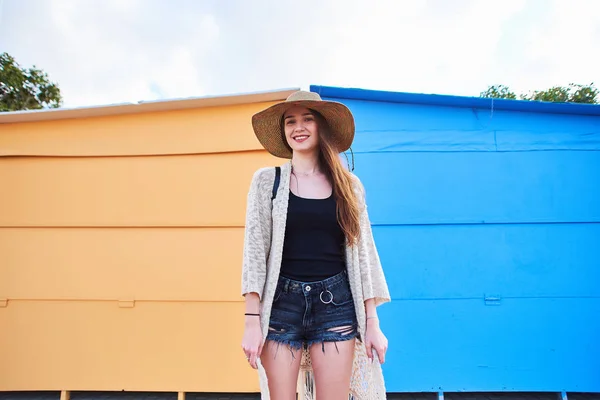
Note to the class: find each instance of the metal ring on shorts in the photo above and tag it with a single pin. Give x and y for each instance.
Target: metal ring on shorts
(330, 298)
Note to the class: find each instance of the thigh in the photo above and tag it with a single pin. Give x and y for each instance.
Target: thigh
(282, 364)
(332, 337)
(332, 367)
(281, 354)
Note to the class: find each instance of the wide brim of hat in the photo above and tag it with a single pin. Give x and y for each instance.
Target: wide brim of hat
(268, 129)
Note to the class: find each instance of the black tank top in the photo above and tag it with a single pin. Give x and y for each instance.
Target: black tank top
(314, 243)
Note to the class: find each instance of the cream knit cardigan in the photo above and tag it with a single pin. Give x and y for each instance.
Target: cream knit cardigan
(263, 248)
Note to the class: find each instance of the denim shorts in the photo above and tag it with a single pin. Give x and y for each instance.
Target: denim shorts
(304, 313)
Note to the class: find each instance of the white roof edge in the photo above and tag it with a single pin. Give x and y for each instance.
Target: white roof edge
(144, 106)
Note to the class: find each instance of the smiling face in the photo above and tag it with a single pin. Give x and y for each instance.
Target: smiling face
(301, 130)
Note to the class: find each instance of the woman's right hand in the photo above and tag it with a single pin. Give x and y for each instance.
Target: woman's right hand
(252, 342)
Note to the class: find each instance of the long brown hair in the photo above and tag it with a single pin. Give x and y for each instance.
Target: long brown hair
(341, 180)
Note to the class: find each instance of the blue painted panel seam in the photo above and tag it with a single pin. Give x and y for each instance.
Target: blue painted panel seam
(496, 139)
(466, 223)
(476, 151)
(503, 298)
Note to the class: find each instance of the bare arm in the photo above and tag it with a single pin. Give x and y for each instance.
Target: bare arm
(375, 339)
(252, 303)
(252, 342)
(371, 309)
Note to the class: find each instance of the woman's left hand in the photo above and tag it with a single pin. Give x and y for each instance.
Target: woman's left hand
(375, 340)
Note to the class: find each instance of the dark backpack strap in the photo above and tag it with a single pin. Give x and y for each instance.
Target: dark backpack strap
(276, 182)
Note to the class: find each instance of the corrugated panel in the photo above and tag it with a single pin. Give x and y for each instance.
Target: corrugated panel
(197, 131)
(99, 346)
(438, 101)
(207, 190)
(458, 188)
(392, 127)
(188, 264)
(510, 260)
(465, 345)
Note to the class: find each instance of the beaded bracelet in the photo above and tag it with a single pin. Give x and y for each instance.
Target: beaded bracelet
(252, 314)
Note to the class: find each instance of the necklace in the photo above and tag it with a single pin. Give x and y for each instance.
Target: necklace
(315, 172)
(305, 174)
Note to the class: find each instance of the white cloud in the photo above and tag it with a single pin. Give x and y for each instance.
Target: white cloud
(116, 51)
(564, 47)
(401, 46)
(107, 51)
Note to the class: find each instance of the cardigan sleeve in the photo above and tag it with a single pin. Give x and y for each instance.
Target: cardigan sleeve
(257, 235)
(374, 284)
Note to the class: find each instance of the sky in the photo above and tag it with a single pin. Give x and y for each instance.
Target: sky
(118, 51)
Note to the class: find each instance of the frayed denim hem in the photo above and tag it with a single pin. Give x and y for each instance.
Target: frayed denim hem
(292, 345)
(295, 345)
(354, 334)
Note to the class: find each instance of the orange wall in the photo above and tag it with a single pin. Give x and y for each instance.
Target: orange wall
(121, 247)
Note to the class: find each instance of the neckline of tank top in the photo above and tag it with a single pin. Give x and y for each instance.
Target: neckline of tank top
(310, 198)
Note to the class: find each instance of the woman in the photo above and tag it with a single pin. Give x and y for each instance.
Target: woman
(311, 275)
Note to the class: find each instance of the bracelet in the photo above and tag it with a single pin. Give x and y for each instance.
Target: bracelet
(372, 318)
(252, 314)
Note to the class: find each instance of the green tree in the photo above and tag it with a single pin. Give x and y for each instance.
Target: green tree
(498, 92)
(557, 94)
(25, 89)
(573, 93)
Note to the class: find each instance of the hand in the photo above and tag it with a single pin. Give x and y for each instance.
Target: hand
(252, 342)
(375, 340)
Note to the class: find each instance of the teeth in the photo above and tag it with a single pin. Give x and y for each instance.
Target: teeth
(300, 137)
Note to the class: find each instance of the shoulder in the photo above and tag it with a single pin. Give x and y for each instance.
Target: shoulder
(263, 173)
(359, 190)
(263, 178)
(357, 185)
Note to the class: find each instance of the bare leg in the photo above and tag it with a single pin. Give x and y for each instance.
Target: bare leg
(282, 366)
(332, 369)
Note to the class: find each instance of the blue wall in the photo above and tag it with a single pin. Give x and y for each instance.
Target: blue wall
(469, 204)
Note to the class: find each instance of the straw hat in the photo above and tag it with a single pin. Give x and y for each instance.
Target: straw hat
(268, 125)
